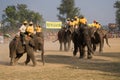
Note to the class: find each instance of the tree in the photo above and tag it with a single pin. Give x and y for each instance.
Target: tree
(22, 12)
(14, 15)
(117, 6)
(11, 15)
(67, 9)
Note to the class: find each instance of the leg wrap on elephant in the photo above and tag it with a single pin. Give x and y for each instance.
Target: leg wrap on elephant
(30, 55)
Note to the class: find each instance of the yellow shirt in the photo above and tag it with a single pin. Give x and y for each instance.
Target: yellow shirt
(98, 26)
(30, 29)
(76, 22)
(90, 25)
(83, 20)
(72, 23)
(38, 29)
(93, 24)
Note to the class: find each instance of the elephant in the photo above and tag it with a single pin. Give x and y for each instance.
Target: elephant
(17, 49)
(38, 42)
(82, 38)
(99, 36)
(64, 37)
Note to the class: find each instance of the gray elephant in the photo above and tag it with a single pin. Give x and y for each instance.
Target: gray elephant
(98, 39)
(17, 49)
(81, 39)
(39, 45)
(64, 37)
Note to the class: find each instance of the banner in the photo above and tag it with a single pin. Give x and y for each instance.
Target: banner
(53, 25)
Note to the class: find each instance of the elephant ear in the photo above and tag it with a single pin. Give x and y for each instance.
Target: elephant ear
(40, 41)
(104, 32)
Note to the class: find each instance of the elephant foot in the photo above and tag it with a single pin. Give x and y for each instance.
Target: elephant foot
(74, 53)
(34, 65)
(89, 57)
(12, 63)
(60, 50)
(93, 52)
(66, 50)
(81, 57)
(25, 64)
(100, 52)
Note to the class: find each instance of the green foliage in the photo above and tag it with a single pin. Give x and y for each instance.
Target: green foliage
(67, 9)
(117, 6)
(14, 15)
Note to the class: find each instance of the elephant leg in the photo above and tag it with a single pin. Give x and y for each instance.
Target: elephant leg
(60, 46)
(69, 43)
(89, 56)
(33, 59)
(18, 57)
(42, 56)
(94, 47)
(12, 61)
(82, 51)
(30, 54)
(75, 50)
(65, 47)
(27, 59)
(89, 46)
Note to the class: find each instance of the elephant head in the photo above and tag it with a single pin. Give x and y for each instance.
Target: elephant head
(35, 43)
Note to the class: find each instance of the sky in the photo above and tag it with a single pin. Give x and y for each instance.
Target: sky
(99, 10)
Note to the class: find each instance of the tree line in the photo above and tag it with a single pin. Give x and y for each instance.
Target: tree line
(15, 15)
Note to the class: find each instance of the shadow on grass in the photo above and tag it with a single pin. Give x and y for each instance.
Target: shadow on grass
(4, 63)
(111, 54)
(87, 64)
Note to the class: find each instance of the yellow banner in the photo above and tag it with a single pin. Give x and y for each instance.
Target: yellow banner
(53, 25)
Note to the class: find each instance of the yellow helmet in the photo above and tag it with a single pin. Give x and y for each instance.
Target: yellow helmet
(75, 17)
(68, 19)
(31, 22)
(25, 22)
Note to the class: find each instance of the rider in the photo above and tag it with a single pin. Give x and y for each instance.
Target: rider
(67, 24)
(76, 21)
(30, 30)
(72, 23)
(68, 21)
(96, 24)
(22, 30)
(38, 30)
(83, 21)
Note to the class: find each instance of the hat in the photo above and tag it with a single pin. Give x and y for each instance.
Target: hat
(25, 22)
(31, 22)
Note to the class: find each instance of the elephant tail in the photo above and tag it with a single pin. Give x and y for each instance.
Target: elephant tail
(106, 38)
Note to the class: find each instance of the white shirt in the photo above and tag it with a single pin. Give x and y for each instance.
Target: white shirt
(22, 28)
